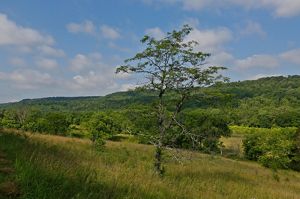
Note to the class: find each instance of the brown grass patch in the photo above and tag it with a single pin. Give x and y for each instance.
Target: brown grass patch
(2, 155)
(4, 161)
(9, 189)
(7, 170)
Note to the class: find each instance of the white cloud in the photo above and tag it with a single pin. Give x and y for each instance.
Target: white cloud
(84, 27)
(80, 62)
(50, 51)
(156, 32)
(88, 27)
(46, 63)
(258, 76)
(126, 87)
(280, 8)
(92, 80)
(253, 28)
(27, 79)
(285, 8)
(16, 61)
(210, 40)
(292, 56)
(13, 34)
(109, 32)
(83, 62)
(221, 58)
(257, 61)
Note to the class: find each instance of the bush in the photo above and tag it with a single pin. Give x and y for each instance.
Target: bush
(206, 127)
(274, 148)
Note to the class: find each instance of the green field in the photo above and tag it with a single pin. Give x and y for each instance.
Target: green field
(58, 167)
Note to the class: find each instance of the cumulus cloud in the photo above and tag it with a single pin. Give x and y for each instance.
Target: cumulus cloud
(109, 32)
(46, 63)
(27, 79)
(292, 56)
(258, 76)
(50, 51)
(17, 61)
(257, 61)
(253, 28)
(92, 80)
(280, 8)
(88, 27)
(221, 58)
(84, 27)
(156, 32)
(126, 87)
(210, 40)
(13, 34)
(84, 62)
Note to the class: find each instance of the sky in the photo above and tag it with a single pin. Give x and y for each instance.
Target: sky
(72, 47)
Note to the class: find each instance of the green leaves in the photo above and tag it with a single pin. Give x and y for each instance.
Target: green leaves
(172, 62)
(273, 148)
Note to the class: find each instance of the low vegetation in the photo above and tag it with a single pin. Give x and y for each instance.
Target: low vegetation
(48, 166)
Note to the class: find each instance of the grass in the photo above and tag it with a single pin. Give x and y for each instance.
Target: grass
(58, 167)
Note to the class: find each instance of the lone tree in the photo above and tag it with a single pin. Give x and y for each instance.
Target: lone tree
(171, 66)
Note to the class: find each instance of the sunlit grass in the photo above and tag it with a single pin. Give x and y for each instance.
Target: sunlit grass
(58, 167)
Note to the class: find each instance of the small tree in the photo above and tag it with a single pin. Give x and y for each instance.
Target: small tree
(171, 66)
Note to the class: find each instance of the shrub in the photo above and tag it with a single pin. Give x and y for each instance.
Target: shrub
(274, 148)
(206, 127)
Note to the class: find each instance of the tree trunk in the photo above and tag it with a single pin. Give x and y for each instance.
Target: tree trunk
(158, 160)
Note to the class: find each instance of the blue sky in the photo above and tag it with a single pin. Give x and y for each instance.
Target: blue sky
(72, 47)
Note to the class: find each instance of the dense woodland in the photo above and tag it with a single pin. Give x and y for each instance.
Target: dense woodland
(267, 102)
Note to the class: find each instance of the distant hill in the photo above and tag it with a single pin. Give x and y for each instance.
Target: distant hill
(260, 103)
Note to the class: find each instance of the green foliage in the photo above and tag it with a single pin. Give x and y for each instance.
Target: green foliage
(266, 102)
(57, 123)
(274, 148)
(9, 119)
(35, 121)
(102, 126)
(204, 129)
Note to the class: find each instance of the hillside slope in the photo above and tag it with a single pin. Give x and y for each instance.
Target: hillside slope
(58, 167)
(266, 102)
(277, 89)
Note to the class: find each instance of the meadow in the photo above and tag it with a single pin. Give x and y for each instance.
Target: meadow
(48, 166)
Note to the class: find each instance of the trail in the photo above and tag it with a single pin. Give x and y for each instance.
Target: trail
(8, 187)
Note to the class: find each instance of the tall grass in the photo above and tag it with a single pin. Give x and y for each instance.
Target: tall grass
(56, 167)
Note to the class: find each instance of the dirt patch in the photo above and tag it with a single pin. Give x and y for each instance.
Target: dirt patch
(9, 189)
(2, 155)
(7, 170)
(4, 161)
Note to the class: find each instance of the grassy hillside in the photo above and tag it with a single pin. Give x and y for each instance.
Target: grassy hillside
(58, 167)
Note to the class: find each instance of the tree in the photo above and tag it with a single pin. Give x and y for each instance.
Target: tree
(102, 126)
(206, 127)
(171, 66)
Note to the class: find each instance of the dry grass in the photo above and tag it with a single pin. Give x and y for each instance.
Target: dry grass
(58, 167)
(9, 189)
(4, 161)
(7, 170)
(233, 146)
